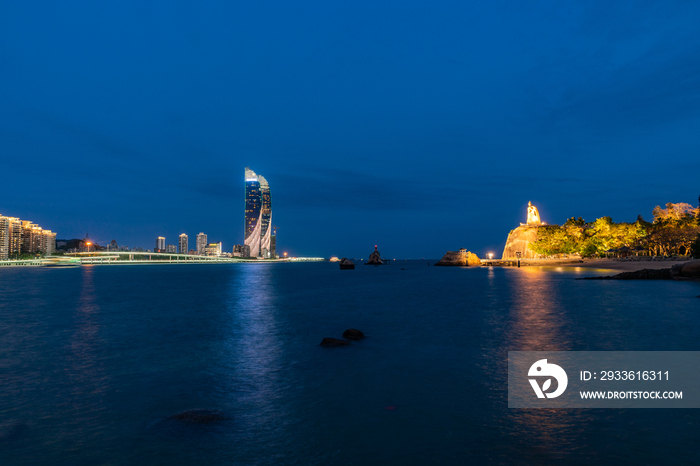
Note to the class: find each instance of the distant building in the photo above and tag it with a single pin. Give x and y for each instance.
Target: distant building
(183, 244)
(241, 250)
(171, 248)
(192, 252)
(273, 246)
(113, 246)
(213, 249)
(4, 238)
(258, 214)
(201, 243)
(160, 244)
(24, 237)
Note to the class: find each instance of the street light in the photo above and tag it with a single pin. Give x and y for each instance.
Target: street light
(88, 245)
(490, 255)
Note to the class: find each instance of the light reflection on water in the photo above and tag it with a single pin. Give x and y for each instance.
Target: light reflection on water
(107, 353)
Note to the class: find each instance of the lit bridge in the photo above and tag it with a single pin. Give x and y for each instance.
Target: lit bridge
(130, 257)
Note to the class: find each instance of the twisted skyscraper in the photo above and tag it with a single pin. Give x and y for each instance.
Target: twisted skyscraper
(258, 214)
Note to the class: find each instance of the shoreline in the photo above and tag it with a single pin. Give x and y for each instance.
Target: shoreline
(625, 266)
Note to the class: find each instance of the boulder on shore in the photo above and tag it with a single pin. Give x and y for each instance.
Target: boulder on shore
(346, 264)
(459, 258)
(353, 334)
(331, 342)
(690, 269)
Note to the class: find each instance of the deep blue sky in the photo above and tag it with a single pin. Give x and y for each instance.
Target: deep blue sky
(418, 126)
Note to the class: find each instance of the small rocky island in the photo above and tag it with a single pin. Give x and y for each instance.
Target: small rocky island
(375, 258)
(346, 264)
(519, 239)
(461, 258)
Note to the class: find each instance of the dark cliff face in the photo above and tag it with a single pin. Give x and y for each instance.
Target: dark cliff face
(518, 240)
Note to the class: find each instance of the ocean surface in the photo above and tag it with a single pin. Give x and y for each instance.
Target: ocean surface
(95, 361)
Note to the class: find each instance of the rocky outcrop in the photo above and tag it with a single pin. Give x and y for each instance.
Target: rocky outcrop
(353, 334)
(690, 269)
(518, 241)
(346, 264)
(461, 258)
(375, 258)
(686, 271)
(199, 416)
(331, 342)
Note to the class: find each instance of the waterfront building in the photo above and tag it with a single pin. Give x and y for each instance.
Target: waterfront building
(24, 237)
(4, 238)
(183, 244)
(213, 249)
(241, 250)
(171, 248)
(48, 242)
(265, 217)
(273, 246)
(15, 229)
(113, 246)
(201, 243)
(258, 214)
(160, 244)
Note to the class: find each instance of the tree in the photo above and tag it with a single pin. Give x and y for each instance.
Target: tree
(695, 248)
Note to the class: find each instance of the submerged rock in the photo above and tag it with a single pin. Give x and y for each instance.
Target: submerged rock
(353, 334)
(331, 342)
(346, 264)
(459, 258)
(199, 416)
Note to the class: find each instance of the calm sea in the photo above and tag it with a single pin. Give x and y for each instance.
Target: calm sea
(94, 360)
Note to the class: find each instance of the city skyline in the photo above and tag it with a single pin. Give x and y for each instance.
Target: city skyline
(573, 108)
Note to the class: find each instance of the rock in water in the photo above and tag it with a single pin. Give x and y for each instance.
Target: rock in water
(690, 269)
(346, 264)
(375, 258)
(353, 334)
(331, 342)
(199, 416)
(459, 258)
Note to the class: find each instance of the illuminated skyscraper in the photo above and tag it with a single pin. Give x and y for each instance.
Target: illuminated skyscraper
(183, 244)
(258, 214)
(160, 244)
(201, 243)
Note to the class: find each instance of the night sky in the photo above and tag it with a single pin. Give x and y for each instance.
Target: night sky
(418, 126)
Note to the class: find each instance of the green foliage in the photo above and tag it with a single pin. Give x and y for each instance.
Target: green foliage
(695, 248)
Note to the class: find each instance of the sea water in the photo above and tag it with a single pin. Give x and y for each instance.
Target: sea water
(95, 360)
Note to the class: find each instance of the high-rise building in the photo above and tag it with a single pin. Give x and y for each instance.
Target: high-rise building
(171, 248)
(24, 237)
(183, 244)
(160, 244)
(4, 238)
(258, 214)
(15, 248)
(201, 243)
